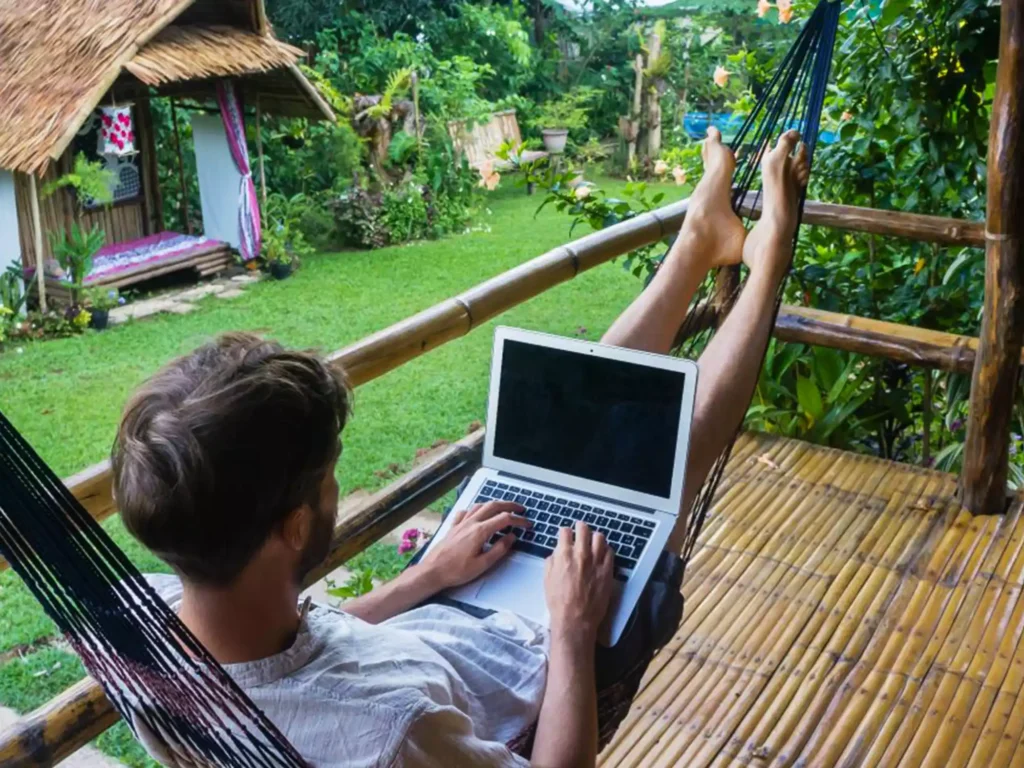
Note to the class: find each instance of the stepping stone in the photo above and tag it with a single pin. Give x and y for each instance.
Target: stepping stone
(231, 293)
(200, 291)
(246, 279)
(182, 308)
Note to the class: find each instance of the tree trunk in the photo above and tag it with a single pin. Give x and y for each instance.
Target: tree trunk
(634, 117)
(994, 387)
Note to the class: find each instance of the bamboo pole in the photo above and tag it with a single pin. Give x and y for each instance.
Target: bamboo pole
(37, 241)
(259, 154)
(994, 386)
(385, 350)
(69, 721)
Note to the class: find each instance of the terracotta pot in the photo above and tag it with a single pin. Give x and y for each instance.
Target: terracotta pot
(554, 140)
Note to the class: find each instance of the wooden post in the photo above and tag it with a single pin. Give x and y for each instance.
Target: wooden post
(653, 144)
(37, 241)
(634, 116)
(185, 223)
(994, 387)
(259, 154)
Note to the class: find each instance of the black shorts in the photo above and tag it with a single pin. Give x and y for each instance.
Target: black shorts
(618, 669)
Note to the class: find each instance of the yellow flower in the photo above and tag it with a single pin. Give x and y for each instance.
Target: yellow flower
(763, 6)
(661, 167)
(918, 266)
(679, 175)
(721, 76)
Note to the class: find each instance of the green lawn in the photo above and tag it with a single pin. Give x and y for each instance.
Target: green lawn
(66, 395)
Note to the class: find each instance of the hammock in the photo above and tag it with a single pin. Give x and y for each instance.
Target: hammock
(154, 671)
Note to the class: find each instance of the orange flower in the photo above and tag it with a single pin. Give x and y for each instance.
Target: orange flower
(763, 6)
(918, 266)
(679, 175)
(489, 177)
(721, 76)
(785, 10)
(846, 116)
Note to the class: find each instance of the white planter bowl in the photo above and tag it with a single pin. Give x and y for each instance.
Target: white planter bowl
(554, 140)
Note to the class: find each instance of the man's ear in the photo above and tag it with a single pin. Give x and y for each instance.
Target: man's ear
(297, 528)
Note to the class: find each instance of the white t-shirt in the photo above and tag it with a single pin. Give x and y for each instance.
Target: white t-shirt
(430, 687)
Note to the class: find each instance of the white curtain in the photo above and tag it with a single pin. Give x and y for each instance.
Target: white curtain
(219, 179)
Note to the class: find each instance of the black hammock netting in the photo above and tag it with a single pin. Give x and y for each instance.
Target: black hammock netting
(152, 668)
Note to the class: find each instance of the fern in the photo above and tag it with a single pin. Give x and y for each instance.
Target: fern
(398, 82)
(90, 180)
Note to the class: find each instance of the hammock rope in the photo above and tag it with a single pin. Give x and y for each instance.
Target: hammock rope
(794, 98)
(158, 676)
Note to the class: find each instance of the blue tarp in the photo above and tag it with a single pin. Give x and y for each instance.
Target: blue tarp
(729, 123)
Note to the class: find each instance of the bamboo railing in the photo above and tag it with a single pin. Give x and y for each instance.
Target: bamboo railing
(387, 349)
(78, 715)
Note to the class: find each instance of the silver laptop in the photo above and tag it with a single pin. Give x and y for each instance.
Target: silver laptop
(580, 431)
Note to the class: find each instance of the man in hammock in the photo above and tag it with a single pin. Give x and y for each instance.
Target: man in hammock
(225, 467)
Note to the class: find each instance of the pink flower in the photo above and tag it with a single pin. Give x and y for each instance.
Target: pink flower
(661, 167)
(847, 116)
(763, 6)
(406, 546)
(721, 76)
(679, 175)
(412, 534)
(581, 192)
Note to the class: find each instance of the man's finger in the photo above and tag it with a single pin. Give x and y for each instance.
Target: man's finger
(599, 546)
(498, 550)
(461, 514)
(584, 538)
(565, 538)
(494, 524)
(492, 508)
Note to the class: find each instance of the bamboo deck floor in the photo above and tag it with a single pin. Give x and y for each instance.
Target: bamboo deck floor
(840, 610)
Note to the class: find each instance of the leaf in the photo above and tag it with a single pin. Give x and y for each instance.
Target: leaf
(809, 398)
(963, 257)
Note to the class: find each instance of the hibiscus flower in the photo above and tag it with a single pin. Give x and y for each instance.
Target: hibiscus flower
(721, 77)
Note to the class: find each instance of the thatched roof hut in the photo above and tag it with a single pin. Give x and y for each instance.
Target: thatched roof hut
(61, 59)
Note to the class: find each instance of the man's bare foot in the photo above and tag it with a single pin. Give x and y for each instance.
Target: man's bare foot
(784, 174)
(711, 226)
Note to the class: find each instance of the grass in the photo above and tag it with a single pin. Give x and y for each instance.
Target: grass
(66, 395)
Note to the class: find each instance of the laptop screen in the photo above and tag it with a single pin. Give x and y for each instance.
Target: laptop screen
(610, 421)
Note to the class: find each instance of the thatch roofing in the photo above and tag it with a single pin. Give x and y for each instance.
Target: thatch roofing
(58, 59)
(198, 52)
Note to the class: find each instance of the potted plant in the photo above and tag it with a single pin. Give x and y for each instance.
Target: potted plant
(556, 118)
(99, 301)
(283, 243)
(74, 250)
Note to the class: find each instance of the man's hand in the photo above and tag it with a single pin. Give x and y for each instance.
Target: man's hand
(578, 584)
(459, 557)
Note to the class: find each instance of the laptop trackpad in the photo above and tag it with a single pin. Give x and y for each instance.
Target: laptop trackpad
(516, 586)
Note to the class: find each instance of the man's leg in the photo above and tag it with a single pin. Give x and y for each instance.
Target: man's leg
(730, 365)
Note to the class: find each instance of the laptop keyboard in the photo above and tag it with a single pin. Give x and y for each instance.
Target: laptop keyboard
(627, 535)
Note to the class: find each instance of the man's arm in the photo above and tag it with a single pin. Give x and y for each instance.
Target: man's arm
(578, 587)
(457, 559)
